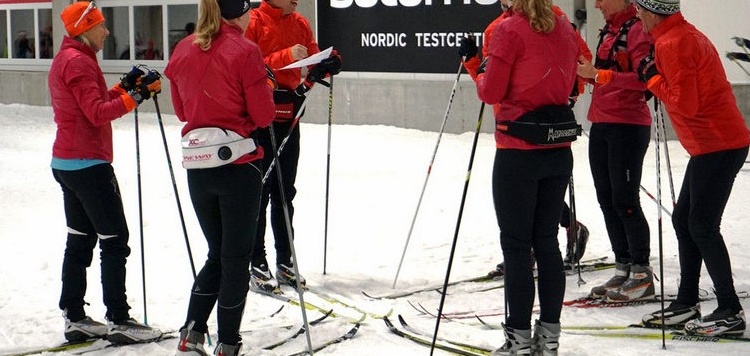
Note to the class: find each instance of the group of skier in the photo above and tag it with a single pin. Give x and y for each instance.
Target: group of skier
(532, 67)
(531, 58)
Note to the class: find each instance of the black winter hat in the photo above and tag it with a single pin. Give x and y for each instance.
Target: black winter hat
(232, 9)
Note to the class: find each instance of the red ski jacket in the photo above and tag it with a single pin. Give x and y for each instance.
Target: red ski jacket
(83, 106)
(473, 64)
(695, 90)
(230, 89)
(275, 34)
(620, 98)
(527, 70)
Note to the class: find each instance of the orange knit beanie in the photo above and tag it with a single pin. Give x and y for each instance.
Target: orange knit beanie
(80, 17)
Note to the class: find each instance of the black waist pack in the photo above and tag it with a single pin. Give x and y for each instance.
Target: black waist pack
(547, 125)
(287, 104)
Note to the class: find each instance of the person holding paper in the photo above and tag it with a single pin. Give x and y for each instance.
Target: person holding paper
(284, 37)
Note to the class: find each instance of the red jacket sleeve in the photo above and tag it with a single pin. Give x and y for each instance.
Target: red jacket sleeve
(84, 83)
(258, 95)
(681, 90)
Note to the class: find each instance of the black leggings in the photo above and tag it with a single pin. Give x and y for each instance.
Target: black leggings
(226, 201)
(616, 153)
(93, 212)
(697, 218)
(289, 157)
(528, 191)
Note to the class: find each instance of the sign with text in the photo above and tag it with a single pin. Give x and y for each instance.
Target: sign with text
(405, 36)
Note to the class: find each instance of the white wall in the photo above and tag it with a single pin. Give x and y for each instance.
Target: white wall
(721, 20)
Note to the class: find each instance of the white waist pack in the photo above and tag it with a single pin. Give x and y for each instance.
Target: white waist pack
(210, 147)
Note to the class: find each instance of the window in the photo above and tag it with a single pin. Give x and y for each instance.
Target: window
(181, 20)
(22, 28)
(149, 44)
(140, 31)
(46, 44)
(3, 34)
(117, 46)
(26, 33)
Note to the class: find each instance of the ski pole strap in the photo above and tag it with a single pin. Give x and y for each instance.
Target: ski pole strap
(210, 147)
(547, 125)
(288, 104)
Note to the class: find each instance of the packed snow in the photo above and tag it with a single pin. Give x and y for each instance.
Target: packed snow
(376, 175)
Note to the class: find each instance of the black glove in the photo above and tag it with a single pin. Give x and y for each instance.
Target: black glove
(480, 70)
(129, 80)
(316, 74)
(302, 89)
(271, 78)
(332, 65)
(738, 56)
(647, 68)
(468, 47)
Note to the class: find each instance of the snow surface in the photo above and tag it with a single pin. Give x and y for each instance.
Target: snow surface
(376, 175)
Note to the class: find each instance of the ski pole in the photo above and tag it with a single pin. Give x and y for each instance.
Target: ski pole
(176, 194)
(736, 57)
(140, 212)
(429, 170)
(290, 233)
(644, 190)
(659, 227)
(174, 185)
(328, 174)
(744, 43)
(286, 138)
(663, 127)
(458, 226)
(574, 226)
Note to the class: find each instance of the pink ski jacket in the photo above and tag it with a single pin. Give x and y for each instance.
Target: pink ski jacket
(83, 106)
(527, 70)
(224, 86)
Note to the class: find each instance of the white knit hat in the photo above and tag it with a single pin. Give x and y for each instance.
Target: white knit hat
(663, 7)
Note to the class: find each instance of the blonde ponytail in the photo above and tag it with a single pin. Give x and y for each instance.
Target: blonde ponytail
(209, 22)
(540, 14)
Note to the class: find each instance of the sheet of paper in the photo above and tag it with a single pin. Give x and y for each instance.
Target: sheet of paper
(314, 59)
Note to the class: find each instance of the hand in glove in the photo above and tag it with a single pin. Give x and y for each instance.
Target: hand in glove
(468, 47)
(482, 66)
(315, 75)
(303, 88)
(129, 80)
(332, 65)
(647, 68)
(149, 85)
(271, 79)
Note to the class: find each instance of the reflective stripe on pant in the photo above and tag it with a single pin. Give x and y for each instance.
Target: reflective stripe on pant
(93, 211)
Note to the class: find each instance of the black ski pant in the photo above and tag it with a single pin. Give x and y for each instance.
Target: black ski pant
(528, 191)
(616, 153)
(697, 218)
(288, 158)
(93, 212)
(226, 201)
